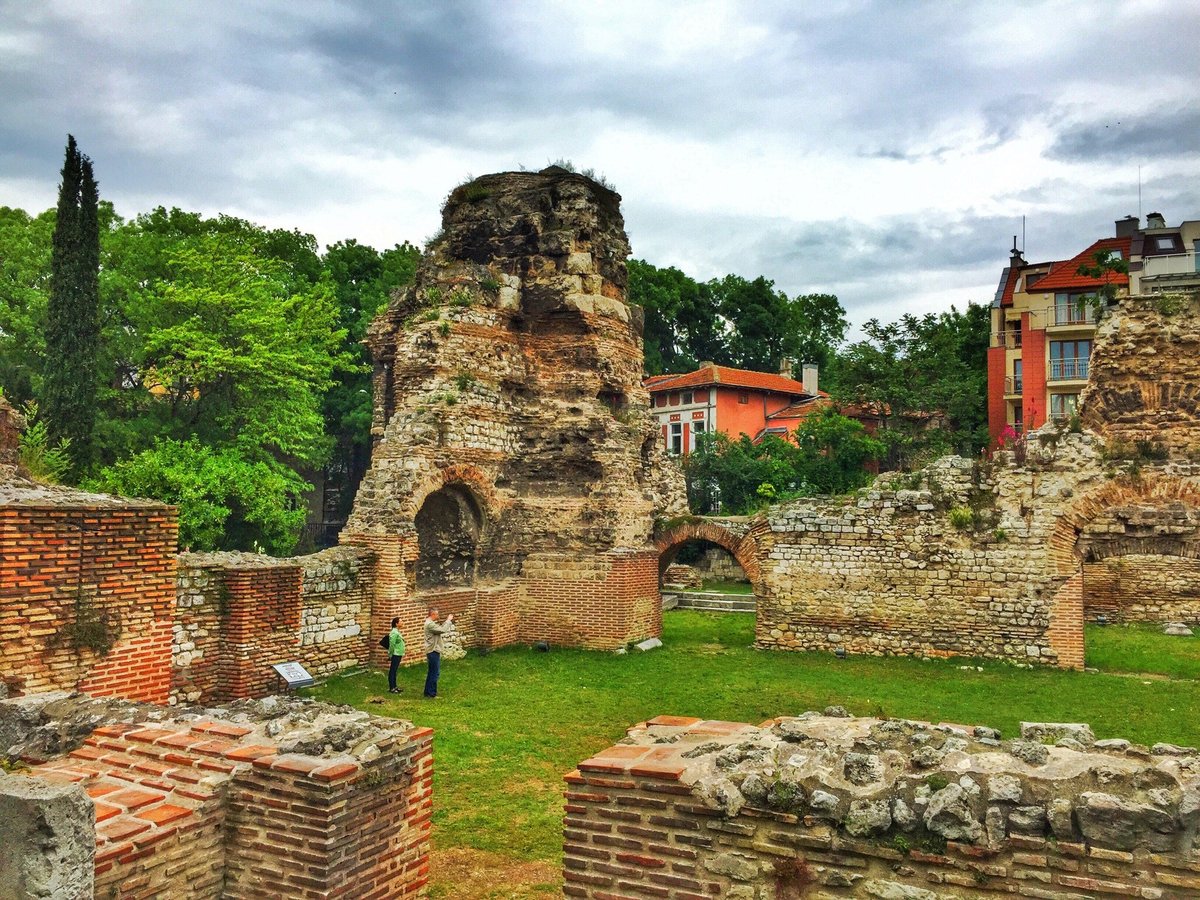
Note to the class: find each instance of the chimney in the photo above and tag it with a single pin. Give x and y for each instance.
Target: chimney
(809, 378)
(785, 368)
(1016, 260)
(1128, 226)
(1155, 220)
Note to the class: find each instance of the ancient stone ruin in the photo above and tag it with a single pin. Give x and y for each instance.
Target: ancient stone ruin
(515, 475)
(829, 806)
(271, 798)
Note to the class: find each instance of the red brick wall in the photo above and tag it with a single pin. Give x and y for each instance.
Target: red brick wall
(997, 408)
(1033, 374)
(301, 832)
(121, 561)
(1143, 588)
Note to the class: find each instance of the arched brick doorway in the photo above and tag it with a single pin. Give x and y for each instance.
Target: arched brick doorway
(742, 547)
(1152, 521)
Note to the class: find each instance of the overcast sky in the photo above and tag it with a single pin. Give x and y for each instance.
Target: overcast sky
(885, 152)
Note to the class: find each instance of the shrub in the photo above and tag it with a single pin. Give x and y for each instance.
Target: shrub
(41, 459)
(962, 518)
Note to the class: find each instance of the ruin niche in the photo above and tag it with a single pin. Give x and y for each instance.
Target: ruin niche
(515, 475)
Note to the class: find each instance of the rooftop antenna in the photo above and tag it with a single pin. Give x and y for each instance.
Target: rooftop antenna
(1022, 235)
(1139, 193)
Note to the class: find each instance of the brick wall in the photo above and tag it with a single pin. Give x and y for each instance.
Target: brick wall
(1143, 588)
(238, 614)
(73, 570)
(664, 816)
(207, 808)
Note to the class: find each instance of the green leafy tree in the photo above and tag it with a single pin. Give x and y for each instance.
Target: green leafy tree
(226, 501)
(683, 325)
(24, 287)
(70, 375)
(926, 376)
(834, 452)
(1105, 266)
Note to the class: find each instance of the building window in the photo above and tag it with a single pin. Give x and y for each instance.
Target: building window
(687, 397)
(743, 397)
(1069, 360)
(701, 396)
(676, 444)
(660, 400)
(1015, 385)
(674, 400)
(1074, 309)
(1164, 243)
(1063, 406)
(1018, 417)
(697, 431)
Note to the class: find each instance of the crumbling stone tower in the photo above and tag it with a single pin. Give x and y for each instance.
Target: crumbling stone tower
(516, 472)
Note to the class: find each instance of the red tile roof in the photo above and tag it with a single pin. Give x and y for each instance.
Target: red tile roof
(726, 376)
(1065, 275)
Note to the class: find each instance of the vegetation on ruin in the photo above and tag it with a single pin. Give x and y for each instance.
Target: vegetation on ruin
(510, 723)
(41, 457)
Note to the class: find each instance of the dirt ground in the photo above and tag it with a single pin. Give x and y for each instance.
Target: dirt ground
(464, 874)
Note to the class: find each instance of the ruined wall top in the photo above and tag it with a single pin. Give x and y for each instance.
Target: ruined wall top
(11, 423)
(519, 221)
(873, 777)
(1145, 375)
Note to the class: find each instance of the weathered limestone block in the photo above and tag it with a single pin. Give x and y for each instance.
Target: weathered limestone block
(47, 840)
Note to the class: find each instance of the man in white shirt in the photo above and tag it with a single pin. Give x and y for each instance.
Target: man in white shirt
(433, 650)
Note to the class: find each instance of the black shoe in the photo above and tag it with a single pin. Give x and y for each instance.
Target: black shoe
(393, 690)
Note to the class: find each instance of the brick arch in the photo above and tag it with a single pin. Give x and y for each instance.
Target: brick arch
(743, 548)
(1066, 556)
(1148, 490)
(475, 480)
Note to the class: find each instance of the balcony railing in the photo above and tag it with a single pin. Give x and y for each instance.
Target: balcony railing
(1068, 369)
(1008, 339)
(1075, 314)
(1170, 264)
(1012, 385)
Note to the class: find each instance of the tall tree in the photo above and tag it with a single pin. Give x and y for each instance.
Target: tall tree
(72, 322)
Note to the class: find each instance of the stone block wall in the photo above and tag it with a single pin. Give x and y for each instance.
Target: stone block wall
(1145, 375)
(978, 559)
(281, 797)
(80, 572)
(1143, 588)
(831, 807)
(237, 614)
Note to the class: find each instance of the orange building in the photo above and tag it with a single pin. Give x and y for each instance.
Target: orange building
(735, 402)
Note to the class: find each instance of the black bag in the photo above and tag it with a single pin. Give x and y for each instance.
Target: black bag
(386, 641)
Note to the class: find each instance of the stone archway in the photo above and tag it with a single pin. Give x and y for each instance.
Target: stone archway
(1150, 515)
(735, 538)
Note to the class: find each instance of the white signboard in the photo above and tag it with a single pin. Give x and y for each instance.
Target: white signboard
(294, 674)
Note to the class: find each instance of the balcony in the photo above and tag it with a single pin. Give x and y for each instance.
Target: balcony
(1170, 264)
(1068, 370)
(1075, 314)
(1012, 386)
(1008, 339)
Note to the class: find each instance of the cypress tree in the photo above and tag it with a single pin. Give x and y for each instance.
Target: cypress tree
(72, 322)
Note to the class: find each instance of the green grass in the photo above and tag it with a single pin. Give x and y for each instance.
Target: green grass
(722, 586)
(511, 723)
(1142, 649)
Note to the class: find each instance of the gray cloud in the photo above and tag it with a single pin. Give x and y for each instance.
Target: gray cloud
(353, 119)
(1132, 138)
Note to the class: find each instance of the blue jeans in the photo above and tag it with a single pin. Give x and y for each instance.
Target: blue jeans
(392, 673)
(433, 670)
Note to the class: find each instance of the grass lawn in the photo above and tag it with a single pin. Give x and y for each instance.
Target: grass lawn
(1142, 649)
(721, 586)
(511, 723)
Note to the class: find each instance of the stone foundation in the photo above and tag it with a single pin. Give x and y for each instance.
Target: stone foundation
(270, 798)
(826, 806)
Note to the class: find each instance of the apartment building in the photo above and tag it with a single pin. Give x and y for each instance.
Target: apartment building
(1044, 317)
